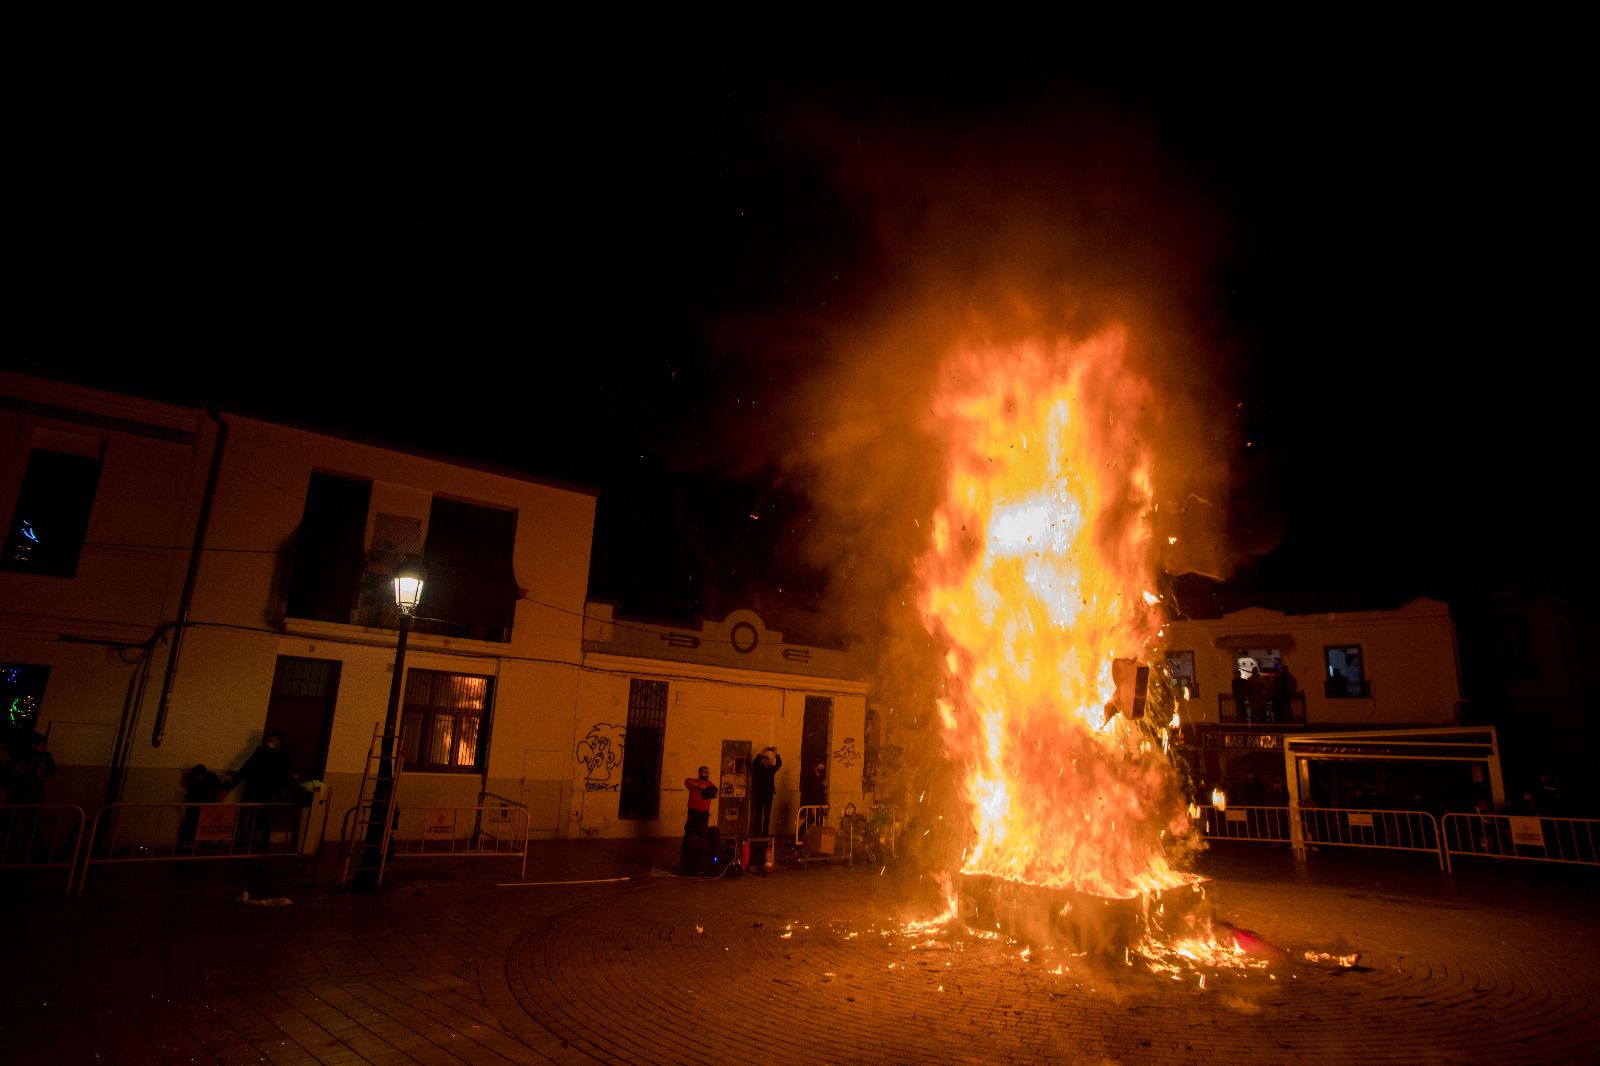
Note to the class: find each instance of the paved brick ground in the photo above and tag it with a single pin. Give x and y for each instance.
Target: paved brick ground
(448, 965)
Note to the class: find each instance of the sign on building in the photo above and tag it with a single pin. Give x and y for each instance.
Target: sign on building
(216, 825)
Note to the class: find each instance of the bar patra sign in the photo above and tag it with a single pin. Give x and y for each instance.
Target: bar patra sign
(1270, 741)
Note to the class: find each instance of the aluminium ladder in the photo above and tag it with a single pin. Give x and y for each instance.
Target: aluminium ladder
(366, 848)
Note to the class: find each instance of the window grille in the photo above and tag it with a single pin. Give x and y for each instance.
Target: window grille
(305, 679)
(443, 718)
(641, 750)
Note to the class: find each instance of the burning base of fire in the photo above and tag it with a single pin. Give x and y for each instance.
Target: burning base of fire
(1074, 921)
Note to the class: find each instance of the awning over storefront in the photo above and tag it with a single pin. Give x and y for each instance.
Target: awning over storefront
(1444, 744)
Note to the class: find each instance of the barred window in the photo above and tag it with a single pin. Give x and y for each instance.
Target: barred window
(641, 750)
(444, 717)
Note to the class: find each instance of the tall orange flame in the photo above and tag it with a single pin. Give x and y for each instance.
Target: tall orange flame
(1040, 572)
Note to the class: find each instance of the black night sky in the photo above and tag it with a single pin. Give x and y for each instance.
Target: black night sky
(600, 262)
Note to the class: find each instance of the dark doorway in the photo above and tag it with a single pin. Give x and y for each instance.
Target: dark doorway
(814, 736)
(301, 709)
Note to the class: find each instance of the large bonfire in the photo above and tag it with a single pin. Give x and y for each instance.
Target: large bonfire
(1040, 574)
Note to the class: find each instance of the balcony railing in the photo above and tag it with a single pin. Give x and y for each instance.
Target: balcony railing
(462, 604)
(1272, 710)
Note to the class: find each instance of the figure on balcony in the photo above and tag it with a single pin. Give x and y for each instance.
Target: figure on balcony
(1244, 688)
(1284, 689)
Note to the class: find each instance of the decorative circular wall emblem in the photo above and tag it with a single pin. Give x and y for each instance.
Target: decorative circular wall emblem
(744, 638)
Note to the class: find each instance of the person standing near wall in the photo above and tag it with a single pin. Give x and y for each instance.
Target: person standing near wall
(763, 786)
(701, 793)
(200, 785)
(28, 767)
(267, 775)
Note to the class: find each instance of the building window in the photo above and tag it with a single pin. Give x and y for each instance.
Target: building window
(328, 553)
(641, 750)
(1262, 689)
(21, 692)
(52, 514)
(445, 718)
(1180, 666)
(472, 590)
(1345, 678)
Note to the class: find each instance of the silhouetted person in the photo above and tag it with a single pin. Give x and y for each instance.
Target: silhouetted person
(1277, 793)
(29, 766)
(200, 785)
(763, 786)
(266, 776)
(1548, 795)
(1243, 690)
(1490, 835)
(814, 786)
(26, 771)
(1283, 692)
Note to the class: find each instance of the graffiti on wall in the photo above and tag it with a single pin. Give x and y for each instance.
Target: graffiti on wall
(847, 756)
(600, 753)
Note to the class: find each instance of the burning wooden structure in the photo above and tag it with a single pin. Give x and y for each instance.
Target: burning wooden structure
(1074, 921)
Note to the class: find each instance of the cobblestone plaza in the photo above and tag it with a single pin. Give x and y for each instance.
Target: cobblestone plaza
(453, 963)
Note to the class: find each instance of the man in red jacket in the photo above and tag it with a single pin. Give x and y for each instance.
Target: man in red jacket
(701, 793)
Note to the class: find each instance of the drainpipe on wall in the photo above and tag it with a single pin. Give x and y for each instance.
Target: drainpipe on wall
(131, 702)
(159, 731)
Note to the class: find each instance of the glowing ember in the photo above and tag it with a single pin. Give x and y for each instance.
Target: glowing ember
(1039, 577)
(1343, 962)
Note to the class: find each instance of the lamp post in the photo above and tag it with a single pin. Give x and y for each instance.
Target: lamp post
(409, 577)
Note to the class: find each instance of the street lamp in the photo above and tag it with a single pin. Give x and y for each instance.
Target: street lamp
(409, 578)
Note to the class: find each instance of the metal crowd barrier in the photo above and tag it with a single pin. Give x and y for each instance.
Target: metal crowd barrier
(879, 819)
(1528, 838)
(1341, 827)
(1269, 825)
(1366, 828)
(41, 836)
(805, 818)
(497, 829)
(815, 816)
(1574, 841)
(193, 832)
